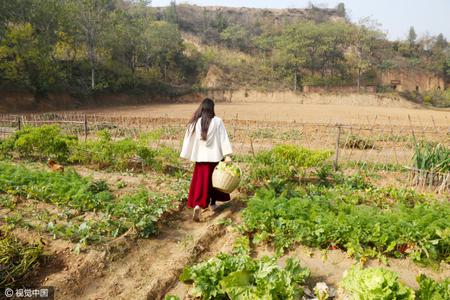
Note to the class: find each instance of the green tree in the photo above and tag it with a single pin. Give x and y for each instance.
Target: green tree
(441, 42)
(236, 37)
(163, 46)
(9, 13)
(317, 49)
(23, 63)
(440, 53)
(291, 51)
(124, 38)
(341, 12)
(91, 17)
(412, 36)
(362, 54)
(448, 69)
(170, 13)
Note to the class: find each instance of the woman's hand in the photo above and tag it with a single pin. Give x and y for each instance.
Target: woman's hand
(227, 159)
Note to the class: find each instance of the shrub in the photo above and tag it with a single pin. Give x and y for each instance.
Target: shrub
(357, 142)
(118, 155)
(126, 154)
(263, 134)
(39, 143)
(440, 98)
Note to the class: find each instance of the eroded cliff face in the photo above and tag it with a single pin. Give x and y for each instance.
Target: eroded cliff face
(412, 80)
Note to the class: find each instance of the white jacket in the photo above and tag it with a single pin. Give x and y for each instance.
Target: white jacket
(214, 149)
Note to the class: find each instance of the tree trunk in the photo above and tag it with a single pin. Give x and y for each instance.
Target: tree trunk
(165, 72)
(93, 77)
(358, 80)
(295, 80)
(92, 61)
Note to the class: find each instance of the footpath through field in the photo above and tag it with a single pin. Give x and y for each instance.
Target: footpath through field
(152, 266)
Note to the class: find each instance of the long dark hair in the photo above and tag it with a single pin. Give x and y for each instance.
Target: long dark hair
(206, 112)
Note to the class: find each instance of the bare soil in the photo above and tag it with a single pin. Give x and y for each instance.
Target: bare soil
(126, 267)
(329, 266)
(151, 267)
(309, 113)
(129, 268)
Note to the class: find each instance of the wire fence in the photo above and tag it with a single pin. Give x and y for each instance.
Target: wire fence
(371, 145)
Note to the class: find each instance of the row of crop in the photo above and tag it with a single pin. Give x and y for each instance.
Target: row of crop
(48, 141)
(68, 190)
(325, 221)
(434, 158)
(239, 276)
(298, 199)
(289, 163)
(42, 143)
(285, 166)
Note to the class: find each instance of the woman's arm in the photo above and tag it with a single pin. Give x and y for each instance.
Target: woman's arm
(188, 141)
(224, 140)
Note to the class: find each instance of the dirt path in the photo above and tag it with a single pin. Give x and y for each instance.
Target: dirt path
(223, 244)
(152, 266)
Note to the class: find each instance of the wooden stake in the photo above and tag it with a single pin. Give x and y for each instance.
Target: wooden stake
(336, 158)
(85, 128)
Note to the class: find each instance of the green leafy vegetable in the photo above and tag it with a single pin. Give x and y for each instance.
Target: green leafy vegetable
(374, 284)
(69, 190)
(325, 218)
(238, 276)
(430, 289)
(231, 168)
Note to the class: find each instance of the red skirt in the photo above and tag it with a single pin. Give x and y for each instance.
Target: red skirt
(201, 192)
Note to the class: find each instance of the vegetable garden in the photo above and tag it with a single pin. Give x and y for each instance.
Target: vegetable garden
(120, 201)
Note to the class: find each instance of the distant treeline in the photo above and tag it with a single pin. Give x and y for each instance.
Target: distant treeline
(84, 46)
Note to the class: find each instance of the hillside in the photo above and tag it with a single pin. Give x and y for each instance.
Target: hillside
(210, 20)
(92, 48)
(312, 49)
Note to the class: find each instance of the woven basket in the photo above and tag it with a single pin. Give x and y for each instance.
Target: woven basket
(224, 180)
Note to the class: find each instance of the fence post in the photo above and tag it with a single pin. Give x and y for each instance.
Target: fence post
(251, 146)
(336, 157)
(85, 128)
(19, 122)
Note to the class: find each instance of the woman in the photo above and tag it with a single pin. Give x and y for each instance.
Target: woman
(206, 143)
